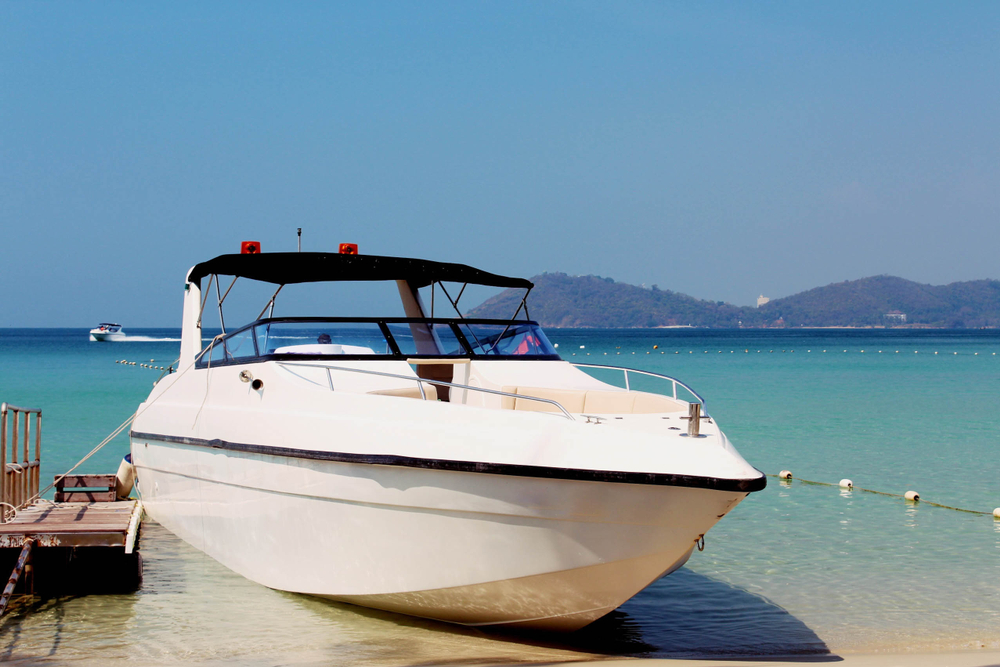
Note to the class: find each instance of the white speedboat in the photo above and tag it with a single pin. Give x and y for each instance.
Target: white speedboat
(106, 331)
(449, 468)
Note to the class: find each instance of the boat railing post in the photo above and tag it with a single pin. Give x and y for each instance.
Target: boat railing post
(627, 387)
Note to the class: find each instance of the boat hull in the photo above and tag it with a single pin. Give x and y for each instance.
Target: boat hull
(104, 336)
(459, 546)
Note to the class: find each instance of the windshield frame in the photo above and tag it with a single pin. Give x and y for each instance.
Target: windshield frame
(511, 328)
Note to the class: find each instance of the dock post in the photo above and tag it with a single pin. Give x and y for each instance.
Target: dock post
(15, 575)
(3, 460)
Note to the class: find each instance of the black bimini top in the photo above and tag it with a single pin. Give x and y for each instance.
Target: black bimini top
(285, 268)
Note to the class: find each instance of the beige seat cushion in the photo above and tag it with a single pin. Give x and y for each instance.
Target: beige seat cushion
(409, 392)
(646, 403)
(594, 401)
(571, 399)
(609, 402)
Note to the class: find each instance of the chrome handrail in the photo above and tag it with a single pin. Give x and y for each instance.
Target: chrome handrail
(420, 381)
(674, 380)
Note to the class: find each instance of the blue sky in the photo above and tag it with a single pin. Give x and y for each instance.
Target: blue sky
(717, 149)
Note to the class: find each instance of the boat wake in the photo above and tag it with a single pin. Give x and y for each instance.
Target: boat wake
(147, 339)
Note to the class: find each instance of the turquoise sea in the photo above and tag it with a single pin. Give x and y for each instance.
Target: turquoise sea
(795, 569)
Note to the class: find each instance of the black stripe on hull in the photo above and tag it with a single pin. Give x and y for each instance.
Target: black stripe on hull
(514, 470)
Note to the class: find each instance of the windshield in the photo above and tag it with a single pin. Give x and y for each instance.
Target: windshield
(507, 339)
(399, 338)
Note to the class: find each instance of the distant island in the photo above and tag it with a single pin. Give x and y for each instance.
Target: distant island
(559, 300)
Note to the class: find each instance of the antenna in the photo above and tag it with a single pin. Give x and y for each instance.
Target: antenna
(300, 239)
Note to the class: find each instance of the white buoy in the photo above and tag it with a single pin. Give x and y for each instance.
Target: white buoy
(846, 484)
(912, 495)
(785, 474)
(555, 345)
(996, 513)
(582, 346)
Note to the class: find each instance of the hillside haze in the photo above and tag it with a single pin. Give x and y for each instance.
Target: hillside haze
(559, 300)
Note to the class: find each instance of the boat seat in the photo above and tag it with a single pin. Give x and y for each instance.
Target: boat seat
(323, 349)
(409, 392)
(592, 401)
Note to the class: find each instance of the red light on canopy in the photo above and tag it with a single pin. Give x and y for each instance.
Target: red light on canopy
(348, 248)
(250, 248)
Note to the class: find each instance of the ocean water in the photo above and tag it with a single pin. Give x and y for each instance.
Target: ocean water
(795, 569)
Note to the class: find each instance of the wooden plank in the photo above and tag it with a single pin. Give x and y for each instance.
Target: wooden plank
(112, 523)
(116, 513)
(90, 539)
(101, 524)
(86, 481)
(84, 496)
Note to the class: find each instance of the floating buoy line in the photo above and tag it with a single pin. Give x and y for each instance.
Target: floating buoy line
(790, 351)
(910, 496)
(169, 368)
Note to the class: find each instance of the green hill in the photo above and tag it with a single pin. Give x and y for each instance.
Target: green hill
(559, 300)
(865, 302)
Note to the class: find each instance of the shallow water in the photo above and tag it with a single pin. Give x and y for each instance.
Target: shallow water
(795, 569)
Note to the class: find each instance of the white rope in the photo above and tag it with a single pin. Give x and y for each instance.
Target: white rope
(110, 437)
(10, 515)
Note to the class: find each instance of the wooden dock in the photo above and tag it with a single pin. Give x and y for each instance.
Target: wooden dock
(74, 524)
(86, 541)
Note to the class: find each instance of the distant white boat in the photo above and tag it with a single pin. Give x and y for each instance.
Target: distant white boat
(106, 331)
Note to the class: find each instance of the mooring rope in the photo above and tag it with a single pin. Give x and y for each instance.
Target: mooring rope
(114, 434)
(61, 477)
